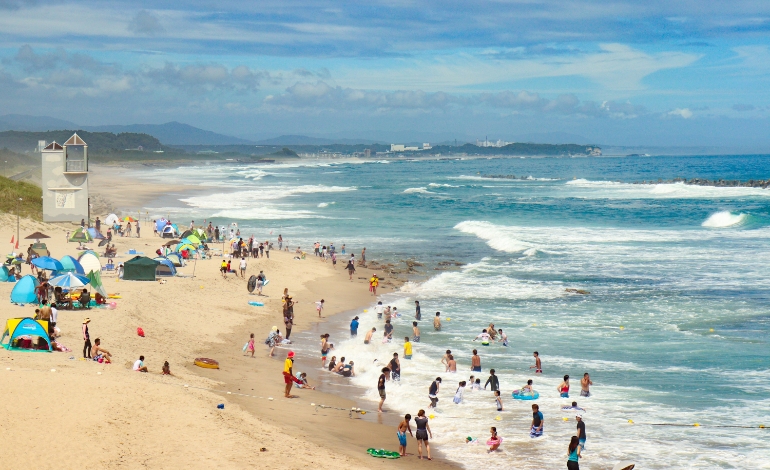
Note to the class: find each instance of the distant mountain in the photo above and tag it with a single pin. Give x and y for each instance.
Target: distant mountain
(173, 133)
(22, 122)
(306, 140)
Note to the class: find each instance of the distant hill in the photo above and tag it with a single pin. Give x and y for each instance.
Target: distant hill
(31, 204)
(292, 139)
(19, 141)
(520, 149)
(173, 133)
(22, 122)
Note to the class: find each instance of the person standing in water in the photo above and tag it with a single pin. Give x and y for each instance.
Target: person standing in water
(417, 315)
(503, 337)
(354, 327)
(437, 322)
(498, 401)
(538, 366)
(451, 365)
(574, 454)
(415, 332)
(581, 431)
(423, 430)
(403, 427)
(395, 368)
(493, 381)
(433, 392)
(475, 362)
(368, 338)
(381, 388)
(563, 387)
(407, 348)
(445, 358)
(536, 430)
(585, 385)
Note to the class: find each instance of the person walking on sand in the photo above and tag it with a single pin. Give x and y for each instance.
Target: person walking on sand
(433, 392)
(423, 431)
(381, 388)
(417, 314)
(373, 283)
(334, 260)
(403, 427)
(585, 385)
(351, 267)
(475, 362)
(574, 454)
(250, 345)
(243, 267)
(437, 322)
(319, 306)
(493, 381)
(368, 338)
(86, 339)
(363, 258)
(538, 365)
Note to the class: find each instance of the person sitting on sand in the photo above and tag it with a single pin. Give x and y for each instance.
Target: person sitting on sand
(98, 352)
(85, 299)
(302, 376)
(139, 365)
(166, 370)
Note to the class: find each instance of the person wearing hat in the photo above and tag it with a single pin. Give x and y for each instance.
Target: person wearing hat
(288, 375)
(354, 327)
(87, 339)
(581, 431)
(373, 283)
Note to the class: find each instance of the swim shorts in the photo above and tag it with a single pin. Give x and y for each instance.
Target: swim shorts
(476, 369)
(416, 339)
(407, 356)
(585, 393)
(382, 392)
(395, 376)
(538, 371)
(534, 432)
(366, 341)
(401, 438)
(433, 400)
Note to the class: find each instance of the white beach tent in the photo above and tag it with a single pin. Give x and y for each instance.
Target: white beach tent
(111, 219)
(90, 262)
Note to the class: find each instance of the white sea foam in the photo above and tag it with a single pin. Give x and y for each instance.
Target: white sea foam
(614, 190)
(422, 190)
(498, 237)
(439, 185)
(326, 204)
(724, 219)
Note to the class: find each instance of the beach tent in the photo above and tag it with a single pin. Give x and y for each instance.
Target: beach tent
(160, 223)
(81, 235)
(165, 267)
(21, 332)
(186, 233)
(201, 234)
(40, 249)
(169, 231)
(95, 235)
(139, 268)
(176, 258)
(71, 265)
(24, 290)
(95, 279)
(111, 219)
(4, 276)
(90, 262)
(194, 240)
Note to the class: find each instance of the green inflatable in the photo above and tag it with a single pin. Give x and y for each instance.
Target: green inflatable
(383, 454)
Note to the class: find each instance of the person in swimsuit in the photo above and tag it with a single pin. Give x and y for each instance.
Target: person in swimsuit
(475, 362)
(417, 315)
(498, 400)
(348, 371)
(338, 367)
(407, 348)
(332, 363)
(451, 365)
(437, 322)
(538, 366)
(395, 368)
(563, 387)
(503, 337)
(369, 334)
(581, 431)
(574, 454)
(494, 440)
(403, 427)
(388, 327)
(415, 332)
(536, 430)
(250, 345)
(445, 358)
(492, 332)
(484, 337)
(585, 386)
(423, 431)
(433, 392)
(325, 347)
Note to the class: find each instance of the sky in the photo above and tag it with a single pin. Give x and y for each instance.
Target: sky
(653, 72)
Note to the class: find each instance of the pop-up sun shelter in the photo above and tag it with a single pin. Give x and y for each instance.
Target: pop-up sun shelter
(81, 235)
(71, 265)
(26, 334)
(90, 262)
(24, 290)
(4, 276)
(169, 231)
(176, 258)
(165, 268)
(139, 268)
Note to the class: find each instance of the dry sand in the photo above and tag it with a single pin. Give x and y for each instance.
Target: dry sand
(95, 415)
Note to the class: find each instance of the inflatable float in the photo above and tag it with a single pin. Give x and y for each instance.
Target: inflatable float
(256, 304)
(383, 454)
(526, 396)
(492, 442)
(206, 363)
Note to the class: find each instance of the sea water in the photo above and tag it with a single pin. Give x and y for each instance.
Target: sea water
(673, 332)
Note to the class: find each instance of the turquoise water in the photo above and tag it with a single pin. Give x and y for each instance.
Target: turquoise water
(668, 263)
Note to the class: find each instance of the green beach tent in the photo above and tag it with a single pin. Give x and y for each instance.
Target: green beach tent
(139, 268)
(81, 235)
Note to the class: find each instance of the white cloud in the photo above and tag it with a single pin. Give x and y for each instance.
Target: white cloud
(681, 112)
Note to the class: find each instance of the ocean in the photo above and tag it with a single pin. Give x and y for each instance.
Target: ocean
(674, 331)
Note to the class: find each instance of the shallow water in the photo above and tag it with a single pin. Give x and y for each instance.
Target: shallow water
(665, 264)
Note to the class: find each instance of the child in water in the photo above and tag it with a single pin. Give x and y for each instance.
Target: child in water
(498, 400)
(494, 441)
(477, 384)
(459, 393)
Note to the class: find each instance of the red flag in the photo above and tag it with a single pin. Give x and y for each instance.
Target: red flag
(12, 239)
(17, 244)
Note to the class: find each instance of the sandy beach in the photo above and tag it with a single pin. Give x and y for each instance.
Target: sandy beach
(111, 416)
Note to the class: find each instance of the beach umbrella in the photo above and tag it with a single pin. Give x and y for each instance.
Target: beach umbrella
(46, 262)
(129, 219)
(69, 280)
(111, 219)
(96, 282)
(36, 236)
(171, 242)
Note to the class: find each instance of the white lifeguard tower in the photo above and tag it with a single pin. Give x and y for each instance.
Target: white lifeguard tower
(65, 181)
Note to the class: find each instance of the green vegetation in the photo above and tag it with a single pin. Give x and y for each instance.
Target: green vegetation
(19, 141)
(31, 204)
(284, 153)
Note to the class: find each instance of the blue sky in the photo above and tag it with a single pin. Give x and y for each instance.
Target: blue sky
(684, 73)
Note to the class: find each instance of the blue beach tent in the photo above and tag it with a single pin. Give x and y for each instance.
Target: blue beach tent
(21, 333)
(71, 265)
(165, 267)
(24, 290)
(4, 276)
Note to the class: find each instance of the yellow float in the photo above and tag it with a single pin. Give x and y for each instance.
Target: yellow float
(206, 363)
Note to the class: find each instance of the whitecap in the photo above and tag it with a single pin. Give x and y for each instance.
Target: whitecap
(422, 190)
(724, 219)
